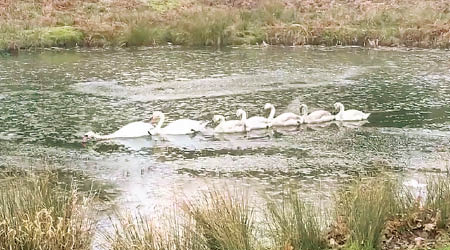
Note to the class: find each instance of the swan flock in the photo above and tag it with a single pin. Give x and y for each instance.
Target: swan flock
(244, 124)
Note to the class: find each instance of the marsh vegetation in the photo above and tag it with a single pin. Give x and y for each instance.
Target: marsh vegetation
(98, 23)
(39, 211)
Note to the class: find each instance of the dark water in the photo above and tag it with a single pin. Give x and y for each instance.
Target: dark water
(49, 99)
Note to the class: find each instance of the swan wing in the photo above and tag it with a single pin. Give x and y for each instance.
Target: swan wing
(287, 116)
(134, 129)
(353, 115)
(232, 126)
(319, 116)
(257, 122)
(287, 119)
(181, 127)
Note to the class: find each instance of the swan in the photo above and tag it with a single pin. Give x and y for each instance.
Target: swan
(178, 127)
(134, 129)
(349, 115)
(258, 122)
(317, 116)
(285, 119)
(232, 126)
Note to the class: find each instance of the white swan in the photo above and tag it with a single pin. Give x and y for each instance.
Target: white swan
(178, 127)
(258, 122)
(317, 116)
(134, 129)
(232, 126)
(285, 119)
(349, 115)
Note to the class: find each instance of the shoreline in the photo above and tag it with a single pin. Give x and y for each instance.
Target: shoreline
(8, 52)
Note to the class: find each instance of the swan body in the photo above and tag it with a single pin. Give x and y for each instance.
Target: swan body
(134, 129)
(258, 122)
(232, 126)
(178, 127)
(317, 116)
(349, 115)
(285, 119)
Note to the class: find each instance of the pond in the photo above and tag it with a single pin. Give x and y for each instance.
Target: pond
(49, 99)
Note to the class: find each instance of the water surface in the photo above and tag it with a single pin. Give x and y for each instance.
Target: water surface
(48, 99)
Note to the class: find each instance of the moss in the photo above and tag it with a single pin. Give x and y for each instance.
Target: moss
(66, 36)
(162, 6)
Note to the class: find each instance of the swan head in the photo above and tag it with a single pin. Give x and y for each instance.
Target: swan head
(89, 135)
(338, 105)
(156, 115)
(240, 112)
(218, 118)
(268, 106)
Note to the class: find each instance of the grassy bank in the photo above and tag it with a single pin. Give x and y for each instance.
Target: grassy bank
(370, 214)
(38, 23)
(39, 211)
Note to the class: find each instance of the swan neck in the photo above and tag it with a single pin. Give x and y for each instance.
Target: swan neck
(341, 108)
(222, 119)
(244, 116)
(272, 112)
(161, 121)
(304, 110)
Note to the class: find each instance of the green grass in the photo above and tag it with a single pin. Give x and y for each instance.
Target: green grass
(39, 211)
(438, 199)
(295, 225)
(222, 221)
(365, 209)
(215, 221)
(64, 36)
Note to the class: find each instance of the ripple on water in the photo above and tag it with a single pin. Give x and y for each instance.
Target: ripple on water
(51, 101)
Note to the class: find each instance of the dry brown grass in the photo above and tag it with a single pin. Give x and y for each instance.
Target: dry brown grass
(37, 212)
(23, 24)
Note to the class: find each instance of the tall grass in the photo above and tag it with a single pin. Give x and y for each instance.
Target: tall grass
(223, 221)
(210, 27)
(295, 225)
(215, 221)
(38, 213)
(136, 233)
(368, 212)
(365, 209)
(438, 199)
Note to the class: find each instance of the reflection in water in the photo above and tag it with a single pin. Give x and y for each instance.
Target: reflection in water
(49, 99)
